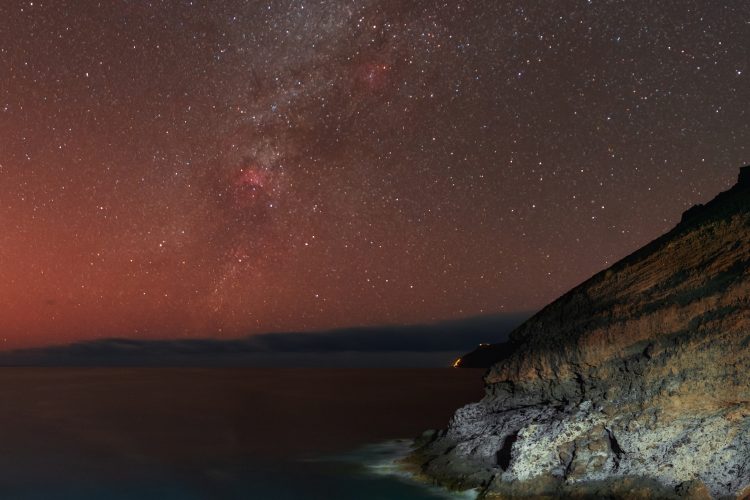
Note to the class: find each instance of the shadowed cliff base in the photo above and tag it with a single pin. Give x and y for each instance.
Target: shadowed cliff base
(633, 384)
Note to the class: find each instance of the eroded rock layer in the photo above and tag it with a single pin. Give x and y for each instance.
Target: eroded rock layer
(636, 382)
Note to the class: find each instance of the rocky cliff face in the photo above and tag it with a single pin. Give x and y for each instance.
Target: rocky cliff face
(636, 382)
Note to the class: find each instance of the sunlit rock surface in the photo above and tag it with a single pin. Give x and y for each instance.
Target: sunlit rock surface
(634, 384)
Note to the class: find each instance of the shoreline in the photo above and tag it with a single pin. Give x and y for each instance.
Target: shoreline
(395, 458)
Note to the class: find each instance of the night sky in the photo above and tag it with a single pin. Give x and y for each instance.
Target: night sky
(225, 167)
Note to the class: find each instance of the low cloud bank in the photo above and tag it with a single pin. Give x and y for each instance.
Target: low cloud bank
(410, 345)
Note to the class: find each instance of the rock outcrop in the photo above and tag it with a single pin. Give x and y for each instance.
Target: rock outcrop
(634, 384)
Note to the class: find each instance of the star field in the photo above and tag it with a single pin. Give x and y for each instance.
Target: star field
(195, 168)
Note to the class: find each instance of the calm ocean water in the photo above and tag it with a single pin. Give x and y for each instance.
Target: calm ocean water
(369, 473)
(220, 433)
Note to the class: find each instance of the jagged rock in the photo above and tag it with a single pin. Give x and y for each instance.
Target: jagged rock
(635, 383)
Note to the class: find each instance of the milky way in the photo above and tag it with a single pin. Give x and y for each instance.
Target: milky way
(186, 168)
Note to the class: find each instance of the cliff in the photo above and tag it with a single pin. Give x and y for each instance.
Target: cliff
(636, 382)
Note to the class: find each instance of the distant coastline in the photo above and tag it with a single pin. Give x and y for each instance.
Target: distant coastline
(428, 345)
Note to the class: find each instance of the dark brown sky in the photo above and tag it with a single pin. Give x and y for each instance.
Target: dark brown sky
(196, 168)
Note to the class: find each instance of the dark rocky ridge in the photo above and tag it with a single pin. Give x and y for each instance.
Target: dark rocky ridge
(486, 355)
(635, 382)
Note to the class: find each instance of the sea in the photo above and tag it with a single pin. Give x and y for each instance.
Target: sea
(216, 433)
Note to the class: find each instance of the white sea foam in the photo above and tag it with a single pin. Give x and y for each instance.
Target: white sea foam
(384, 459)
